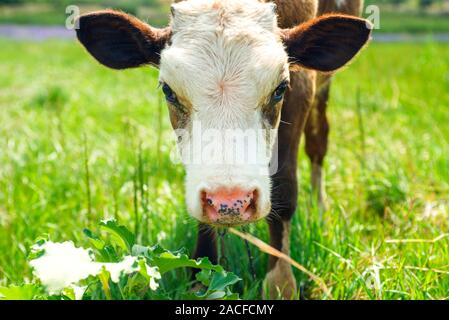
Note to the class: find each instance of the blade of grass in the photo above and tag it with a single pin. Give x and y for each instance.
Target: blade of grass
(440, 237)
(264, 247)
(87, 177)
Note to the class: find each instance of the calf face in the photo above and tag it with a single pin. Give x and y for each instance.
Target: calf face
(224, 69)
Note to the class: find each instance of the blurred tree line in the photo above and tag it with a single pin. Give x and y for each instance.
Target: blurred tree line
(69, 2)
(411, 16)
(421, 4)
(124, 3)
(132, 6)
(127, 5)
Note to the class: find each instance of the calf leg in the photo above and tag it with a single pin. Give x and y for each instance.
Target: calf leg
(317, 133)
(206, 245)
(280, 280)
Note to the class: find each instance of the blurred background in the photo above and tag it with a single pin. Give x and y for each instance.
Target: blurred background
(52, 12)
(415, 16)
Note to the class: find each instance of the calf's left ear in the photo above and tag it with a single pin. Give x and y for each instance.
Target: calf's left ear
(119, 41)
(326, 43)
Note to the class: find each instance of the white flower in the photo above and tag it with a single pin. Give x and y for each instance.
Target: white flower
(63, 265)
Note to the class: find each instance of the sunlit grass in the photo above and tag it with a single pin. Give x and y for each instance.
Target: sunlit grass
(62, 115)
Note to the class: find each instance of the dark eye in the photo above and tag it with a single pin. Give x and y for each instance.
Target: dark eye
(279, 93)
(169, 94)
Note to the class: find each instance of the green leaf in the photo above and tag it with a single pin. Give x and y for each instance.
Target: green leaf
(139, 250)
(104, 277)
(143, 269)
(120, 234)
(216, 295)
(221, 280)
(107, 252)
(36, 251)
(69, 294)
(204, 276)
(218, 282)
(231, 296)
(24, 292)
(167, 261)
(94, 239)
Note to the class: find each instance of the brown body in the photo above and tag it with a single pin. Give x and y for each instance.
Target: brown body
(304, 110)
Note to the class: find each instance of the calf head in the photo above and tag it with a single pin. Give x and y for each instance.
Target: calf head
(224, 70)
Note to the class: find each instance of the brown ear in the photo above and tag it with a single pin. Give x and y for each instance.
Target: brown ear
(120, 41)
(326, 43)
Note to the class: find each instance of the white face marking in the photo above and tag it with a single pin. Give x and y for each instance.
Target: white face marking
(226, 59)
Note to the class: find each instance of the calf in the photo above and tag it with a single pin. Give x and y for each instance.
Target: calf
(233, 66)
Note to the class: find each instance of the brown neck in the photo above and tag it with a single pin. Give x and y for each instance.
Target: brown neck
(294, 12)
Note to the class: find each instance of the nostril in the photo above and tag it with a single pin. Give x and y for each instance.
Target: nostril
(205, 199)
(222, 204)
(255, 199)
(251, 207)
(245, 202)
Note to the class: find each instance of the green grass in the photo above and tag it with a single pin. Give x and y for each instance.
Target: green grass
(58, 106)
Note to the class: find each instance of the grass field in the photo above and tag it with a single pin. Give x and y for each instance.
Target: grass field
(79, 143)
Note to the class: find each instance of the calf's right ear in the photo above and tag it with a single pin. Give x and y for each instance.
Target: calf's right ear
(121, 41)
